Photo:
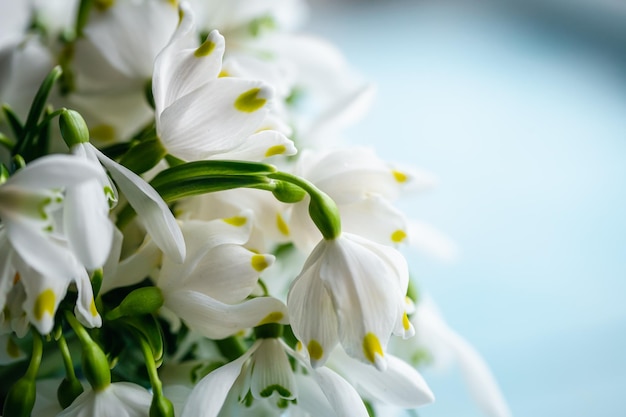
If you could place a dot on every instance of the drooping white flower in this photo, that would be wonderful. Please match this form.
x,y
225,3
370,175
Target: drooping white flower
x,y
119,399
264,372
200,115
351,290
37,255
113,63
362,185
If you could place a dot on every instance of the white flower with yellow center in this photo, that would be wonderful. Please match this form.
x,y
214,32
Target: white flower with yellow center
x,y
200,115
350,291
362,185
37,254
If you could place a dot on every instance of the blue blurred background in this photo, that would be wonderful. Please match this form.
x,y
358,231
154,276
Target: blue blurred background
x,y
520,110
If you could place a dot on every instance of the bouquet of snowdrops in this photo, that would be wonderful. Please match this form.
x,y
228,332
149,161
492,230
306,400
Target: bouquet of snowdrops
x,y
182,231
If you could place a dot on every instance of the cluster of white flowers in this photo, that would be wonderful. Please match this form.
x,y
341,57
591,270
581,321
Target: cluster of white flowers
x,y
178,211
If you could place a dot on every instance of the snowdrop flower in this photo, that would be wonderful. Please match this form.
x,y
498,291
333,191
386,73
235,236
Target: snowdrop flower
x,y
363,187
351,290
119,399
37,256
264,373
113,64
200,115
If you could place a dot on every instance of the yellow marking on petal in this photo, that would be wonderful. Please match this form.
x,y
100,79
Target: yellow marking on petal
x,y
316,351
16,278
400,176
405,321
398,236
299,346
223,73
173,2
275,150
44,304
93,309
13,349
372,347
282,225
274,317
259,262
104,133
205,49
249,102
103,5
236,221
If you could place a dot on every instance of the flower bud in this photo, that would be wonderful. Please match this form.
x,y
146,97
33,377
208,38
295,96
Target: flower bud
x,y
73,128
140,301
20,400
325,215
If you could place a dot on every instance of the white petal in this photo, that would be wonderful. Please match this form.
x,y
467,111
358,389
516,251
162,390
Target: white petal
x,y
156,215
85,308
217,320
342,396
134,268
9,351
86,223
374,218
311,311
272,372
399,385
261,145
130,35
426,238
210,392
206,121
52,171
228,273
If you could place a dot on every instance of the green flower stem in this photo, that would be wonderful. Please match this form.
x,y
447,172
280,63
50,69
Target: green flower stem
x,y
322,209
35,357
95,365
161,406
67,358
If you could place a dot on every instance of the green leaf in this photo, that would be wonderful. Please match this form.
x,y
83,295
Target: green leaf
x,y
206,169
14,121
143,156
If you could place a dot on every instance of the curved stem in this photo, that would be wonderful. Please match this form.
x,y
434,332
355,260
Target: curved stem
x,y
35,358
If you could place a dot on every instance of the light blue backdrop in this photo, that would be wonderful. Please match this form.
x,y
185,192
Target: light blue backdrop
x,y
524,123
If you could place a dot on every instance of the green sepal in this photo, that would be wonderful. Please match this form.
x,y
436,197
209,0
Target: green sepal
x,y
20,400
145,300
14,121
210,169
143,155
148,328
68,391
